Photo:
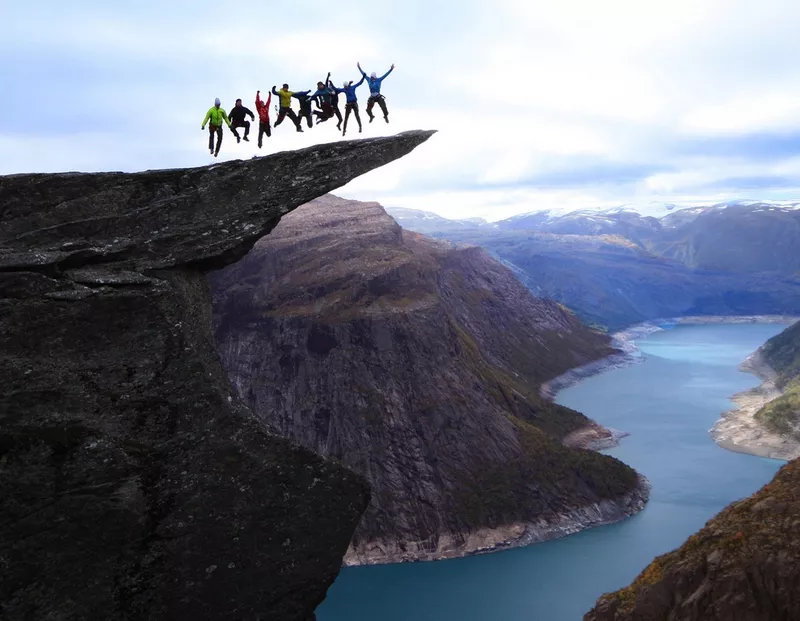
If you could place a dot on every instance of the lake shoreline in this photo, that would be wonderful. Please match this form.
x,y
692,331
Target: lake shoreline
x,y
518,534
739,431
627,355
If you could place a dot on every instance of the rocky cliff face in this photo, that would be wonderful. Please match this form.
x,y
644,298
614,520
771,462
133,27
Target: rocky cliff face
x,y
743,566
135,484
418,364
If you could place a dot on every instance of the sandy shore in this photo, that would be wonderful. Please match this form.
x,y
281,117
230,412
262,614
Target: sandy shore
x,y
739,431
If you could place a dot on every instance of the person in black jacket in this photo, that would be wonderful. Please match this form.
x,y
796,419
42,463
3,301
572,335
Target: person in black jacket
x,y
237,120
305,100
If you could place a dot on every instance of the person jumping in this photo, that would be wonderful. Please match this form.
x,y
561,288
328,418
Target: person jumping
x,y
237,116
352,102
324,97
305,106
215,117
375,96
285,96
263,117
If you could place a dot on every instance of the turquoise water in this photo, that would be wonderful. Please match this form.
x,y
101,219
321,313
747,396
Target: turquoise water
x,y
667,404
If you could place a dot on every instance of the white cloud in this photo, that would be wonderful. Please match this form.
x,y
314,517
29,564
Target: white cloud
x,y
519,91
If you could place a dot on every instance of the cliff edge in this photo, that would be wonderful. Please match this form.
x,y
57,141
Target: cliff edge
x,y
135,484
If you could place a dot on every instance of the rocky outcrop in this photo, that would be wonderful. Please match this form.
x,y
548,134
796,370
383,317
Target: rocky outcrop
x,y
418,364
744,565
135,483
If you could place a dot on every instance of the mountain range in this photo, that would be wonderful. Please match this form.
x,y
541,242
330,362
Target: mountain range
x,y
616,267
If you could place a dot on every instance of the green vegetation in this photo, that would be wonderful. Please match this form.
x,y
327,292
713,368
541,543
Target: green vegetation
x,y
548,477
783,414
763,526
782,353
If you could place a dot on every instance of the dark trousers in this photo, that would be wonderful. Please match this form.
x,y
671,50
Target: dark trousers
x,y
348,108
381,101
263,128
245,124
212,130
305,113
283,113
324,113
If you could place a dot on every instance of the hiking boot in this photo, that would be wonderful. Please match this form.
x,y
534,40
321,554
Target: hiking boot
x,y
371,118
339,126
359,129
386,118
300,129
246,139
211,151
238,140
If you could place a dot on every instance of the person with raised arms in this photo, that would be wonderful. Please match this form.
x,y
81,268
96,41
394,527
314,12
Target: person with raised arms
x,y
375,97
263,117
285,109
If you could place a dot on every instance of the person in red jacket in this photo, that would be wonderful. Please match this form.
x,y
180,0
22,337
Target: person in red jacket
x,y
263,117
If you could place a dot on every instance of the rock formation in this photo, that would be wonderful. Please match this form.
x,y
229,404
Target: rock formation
x,y
744,565
134,483
418,364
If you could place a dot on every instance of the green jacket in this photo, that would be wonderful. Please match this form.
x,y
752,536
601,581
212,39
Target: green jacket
x,y
216,116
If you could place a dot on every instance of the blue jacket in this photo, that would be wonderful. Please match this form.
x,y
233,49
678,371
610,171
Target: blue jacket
x,y
375,83
350,91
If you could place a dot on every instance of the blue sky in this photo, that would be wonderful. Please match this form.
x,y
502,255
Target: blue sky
x,y
539,104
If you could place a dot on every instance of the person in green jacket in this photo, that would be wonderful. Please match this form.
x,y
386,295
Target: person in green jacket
x,y
215,117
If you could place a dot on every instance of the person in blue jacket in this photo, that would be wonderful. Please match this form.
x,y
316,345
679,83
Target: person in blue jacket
x,y
327,101
352,102
375,96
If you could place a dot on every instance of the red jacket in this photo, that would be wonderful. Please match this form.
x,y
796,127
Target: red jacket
x,y
263,108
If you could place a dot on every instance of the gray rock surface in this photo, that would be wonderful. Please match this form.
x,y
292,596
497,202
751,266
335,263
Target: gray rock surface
x,y
134,483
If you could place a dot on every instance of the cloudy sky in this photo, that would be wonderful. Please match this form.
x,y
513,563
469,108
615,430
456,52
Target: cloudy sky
x,y
539,104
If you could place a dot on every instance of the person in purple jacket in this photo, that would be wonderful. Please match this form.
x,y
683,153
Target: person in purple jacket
x,y
375,96
352,102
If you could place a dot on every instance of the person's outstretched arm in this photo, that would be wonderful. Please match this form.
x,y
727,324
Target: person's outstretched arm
x,y
274,92
360,69
250,112
205,120
269,100
225,116
361,81
387,73
259,103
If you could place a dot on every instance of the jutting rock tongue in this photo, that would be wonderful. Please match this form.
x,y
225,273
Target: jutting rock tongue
x,y
135,484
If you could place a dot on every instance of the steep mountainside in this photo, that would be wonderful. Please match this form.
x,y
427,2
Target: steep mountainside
x,y
135,484
744,565
615,281
418,365
782,353
739,238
